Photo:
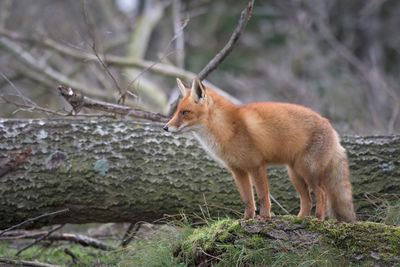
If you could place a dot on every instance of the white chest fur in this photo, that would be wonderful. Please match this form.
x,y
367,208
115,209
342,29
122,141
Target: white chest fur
x,y
209,144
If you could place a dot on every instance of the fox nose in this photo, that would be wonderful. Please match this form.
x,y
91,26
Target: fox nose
x,y
165,128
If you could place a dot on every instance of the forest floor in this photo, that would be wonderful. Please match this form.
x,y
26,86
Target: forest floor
x,y
281,241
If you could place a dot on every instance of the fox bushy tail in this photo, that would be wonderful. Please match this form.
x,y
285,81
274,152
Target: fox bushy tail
x,y
339,190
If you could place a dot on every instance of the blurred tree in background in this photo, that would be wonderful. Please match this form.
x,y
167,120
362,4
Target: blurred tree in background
x,y
340,58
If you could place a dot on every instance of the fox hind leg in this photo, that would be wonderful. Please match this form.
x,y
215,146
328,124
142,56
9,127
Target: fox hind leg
x,y
320,195
303,191
314,176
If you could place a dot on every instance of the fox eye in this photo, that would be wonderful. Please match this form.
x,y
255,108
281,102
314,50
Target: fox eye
x,y
185,112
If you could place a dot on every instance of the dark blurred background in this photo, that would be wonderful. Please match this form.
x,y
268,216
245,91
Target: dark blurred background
x,y
338,57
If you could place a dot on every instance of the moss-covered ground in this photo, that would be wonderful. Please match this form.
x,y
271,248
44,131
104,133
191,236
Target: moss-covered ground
x,y
292,241
281,241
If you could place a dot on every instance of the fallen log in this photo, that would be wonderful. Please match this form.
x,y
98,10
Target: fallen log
x,y
129,171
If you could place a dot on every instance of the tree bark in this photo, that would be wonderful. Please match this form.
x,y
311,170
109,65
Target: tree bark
x,y
128,171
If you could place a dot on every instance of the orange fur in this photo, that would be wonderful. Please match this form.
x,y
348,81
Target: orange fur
x,y
246,138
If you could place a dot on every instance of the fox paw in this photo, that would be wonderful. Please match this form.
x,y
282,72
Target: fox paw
x,y
245,218
259,218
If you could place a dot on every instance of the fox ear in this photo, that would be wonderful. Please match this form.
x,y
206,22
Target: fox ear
x,y
181,86
198,92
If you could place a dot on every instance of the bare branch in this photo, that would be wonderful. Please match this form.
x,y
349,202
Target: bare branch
x,y
77,100
49,72
225,51
164,55
111,60
72,255
28,104
30,108
371,76
92,31
27,263
130,233
279,204
34,219
152,93
40,239
83,240
25,99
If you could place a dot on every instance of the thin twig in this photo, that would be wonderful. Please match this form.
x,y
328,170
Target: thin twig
x,y
123,96
72,255
93,35
375,82
24,98
27,263
212,257
111,60
39,239
130,233
34,219
227,209
164,55
204,218
44,69
83,240
127,233
30,108
206,205
279,204
225,51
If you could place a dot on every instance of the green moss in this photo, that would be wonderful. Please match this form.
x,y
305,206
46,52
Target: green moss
x,y
295,219
250,222
256,242
224,237
252,242
208,240
361,237
235,227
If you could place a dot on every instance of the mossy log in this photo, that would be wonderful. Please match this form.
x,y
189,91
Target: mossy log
x,y
264,243
127,171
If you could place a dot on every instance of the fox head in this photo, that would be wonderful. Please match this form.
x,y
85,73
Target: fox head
x,y
192,108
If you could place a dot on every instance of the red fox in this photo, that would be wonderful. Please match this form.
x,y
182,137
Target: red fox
x,y
247,138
